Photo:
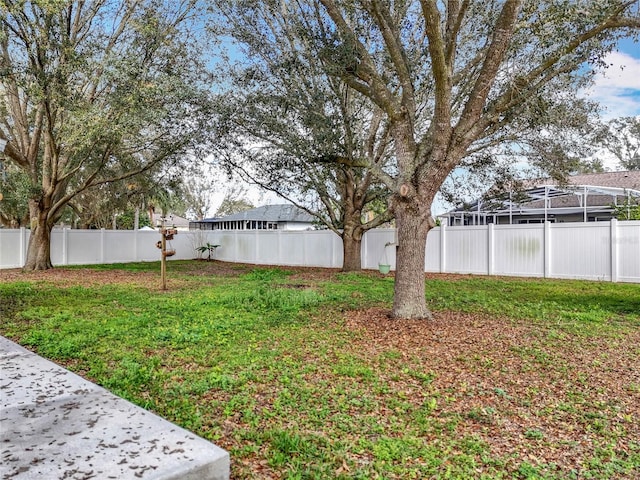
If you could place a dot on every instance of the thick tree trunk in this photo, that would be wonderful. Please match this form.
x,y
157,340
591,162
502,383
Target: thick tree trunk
x,y
351,248
39,250
413,224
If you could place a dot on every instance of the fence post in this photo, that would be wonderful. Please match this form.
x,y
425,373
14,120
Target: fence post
x,y
443,248
23,240
235,246
304,251
491,246
613,238
65,246
364,250
256,249
102,245
135,245
333,251
547,249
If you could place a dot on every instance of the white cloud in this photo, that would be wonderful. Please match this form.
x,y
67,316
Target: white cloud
x,y
617,88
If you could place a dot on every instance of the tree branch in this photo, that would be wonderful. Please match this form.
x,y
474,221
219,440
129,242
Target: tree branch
x,y
371,84
495,54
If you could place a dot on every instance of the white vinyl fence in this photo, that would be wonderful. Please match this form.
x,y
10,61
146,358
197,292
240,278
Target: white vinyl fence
x,y
607,251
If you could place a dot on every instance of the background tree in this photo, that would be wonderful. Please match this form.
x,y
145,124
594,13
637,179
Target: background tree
x,y
234,201
127,220
290,127
15,189
450,78
197,190
628,210
102,205
94,92
96,207
621,137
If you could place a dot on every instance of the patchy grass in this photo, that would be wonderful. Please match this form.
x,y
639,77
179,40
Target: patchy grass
x,y
300,374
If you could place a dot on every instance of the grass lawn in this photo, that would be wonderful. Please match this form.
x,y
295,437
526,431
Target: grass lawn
x,y
300,374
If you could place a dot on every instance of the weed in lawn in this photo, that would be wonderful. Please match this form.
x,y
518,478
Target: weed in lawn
x,y
392,449
351,367
132,376
284,300
391,355
484,415
500,392
534,434
609,462
527,471
51,345
355,290
423,417
424,378
267,274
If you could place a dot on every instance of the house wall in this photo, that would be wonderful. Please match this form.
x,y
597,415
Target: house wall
x,y
295,226
233,225
608,251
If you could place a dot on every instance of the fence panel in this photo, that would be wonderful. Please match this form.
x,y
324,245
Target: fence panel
x,y
467,250
432,261
83,247
145,246
227,249
628,251
320,248
12,247
581,250
376,250
268,249
292,248
119,246
519,250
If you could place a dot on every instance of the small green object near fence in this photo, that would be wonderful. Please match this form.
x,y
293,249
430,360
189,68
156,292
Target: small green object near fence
x,y
208,248
383,265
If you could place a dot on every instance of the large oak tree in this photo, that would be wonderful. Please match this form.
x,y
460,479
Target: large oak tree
x,y
288,125
93,92
451,78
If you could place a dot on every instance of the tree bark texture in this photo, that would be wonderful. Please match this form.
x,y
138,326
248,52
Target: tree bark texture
x,y
351,249
39,249
413,225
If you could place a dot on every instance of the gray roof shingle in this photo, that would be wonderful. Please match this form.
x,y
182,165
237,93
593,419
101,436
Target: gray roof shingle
x,y
269,213
625,179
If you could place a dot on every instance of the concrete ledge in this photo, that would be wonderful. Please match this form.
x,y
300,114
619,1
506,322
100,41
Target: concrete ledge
x,y
57,425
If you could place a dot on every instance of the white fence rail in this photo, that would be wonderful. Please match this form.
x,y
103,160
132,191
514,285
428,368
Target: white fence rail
x,y
608,251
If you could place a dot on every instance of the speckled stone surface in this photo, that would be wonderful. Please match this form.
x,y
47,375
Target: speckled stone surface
x,y
57,425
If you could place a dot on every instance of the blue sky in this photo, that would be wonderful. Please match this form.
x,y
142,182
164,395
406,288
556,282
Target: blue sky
x,y
617,88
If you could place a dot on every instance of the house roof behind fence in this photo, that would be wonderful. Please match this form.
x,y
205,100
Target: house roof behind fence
x,y
170,219
603,188
624,179
269,213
